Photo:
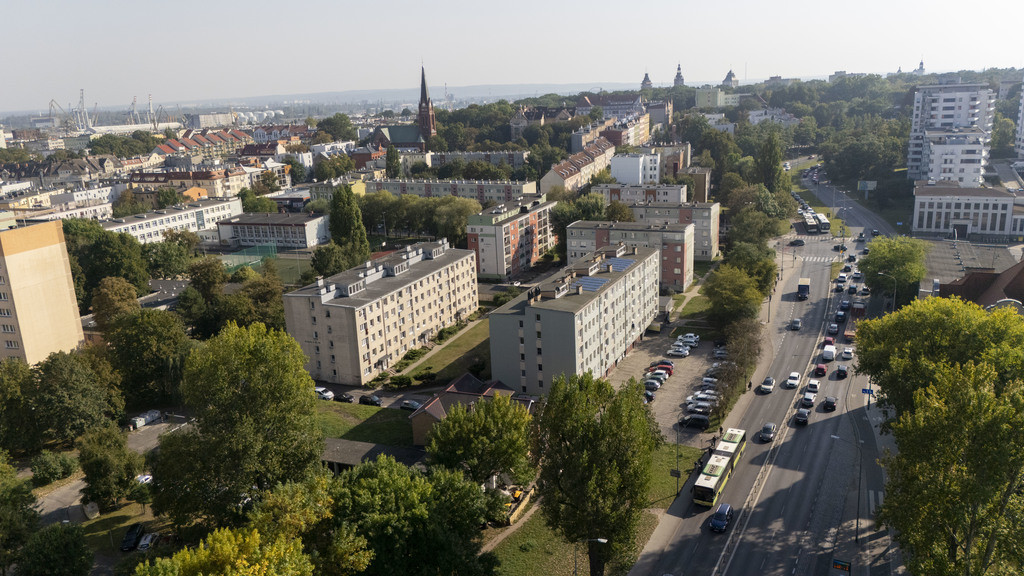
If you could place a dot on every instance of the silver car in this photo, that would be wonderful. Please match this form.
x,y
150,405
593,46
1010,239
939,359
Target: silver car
x,y
768,431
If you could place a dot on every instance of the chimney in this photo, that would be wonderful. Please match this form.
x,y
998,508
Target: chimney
x,y
579,289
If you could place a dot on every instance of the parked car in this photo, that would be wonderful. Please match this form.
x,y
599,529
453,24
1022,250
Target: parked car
x,y
370,400
830,403
678,352
652,385
691,336
147,541
323,393
699,408
767,385
695,421
721,518
803,416
721,354
648,396
411,405
132,537
663,368
768,431
796,242
689,343
344,397
663,361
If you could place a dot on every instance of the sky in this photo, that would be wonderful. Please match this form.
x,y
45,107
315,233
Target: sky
x,y
191,50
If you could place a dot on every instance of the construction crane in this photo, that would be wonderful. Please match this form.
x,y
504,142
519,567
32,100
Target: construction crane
x,y
64,120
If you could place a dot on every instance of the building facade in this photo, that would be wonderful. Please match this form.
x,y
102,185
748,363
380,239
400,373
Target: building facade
x,y
634,194
1019,145
511,158
636,169
631,131
354,325
674,241
946,107
958,155
715,97
200,217
575,172
510,238
287,230
38,307
946,209
218,183
483,191
705,217
585,319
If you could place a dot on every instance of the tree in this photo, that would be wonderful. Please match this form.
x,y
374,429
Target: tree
x,y
168,197
259,300
757,260
960,457
255,426
127,205
451,217
901,258
346,224
752,226
318,206
208,276
112,254
1003,131
241,552
254,204
490,439
328,259
166,259
333,167
769,162
393,166
733,294
18,516
184,238
415,524
618,212
110,467
297,170
56,550
338,126
595,447
149,349
268,182
70,398
112,298
900,351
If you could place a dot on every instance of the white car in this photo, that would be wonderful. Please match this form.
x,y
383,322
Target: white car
x,y
794,380
768,384
690,336
841,279
147,541
813,385
678,352
323,393
847,353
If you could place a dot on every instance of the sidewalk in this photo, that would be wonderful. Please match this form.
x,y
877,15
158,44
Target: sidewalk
x,y
411,368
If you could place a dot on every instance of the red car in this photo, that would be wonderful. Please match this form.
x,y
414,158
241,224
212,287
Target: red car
x,y
664,367
830,341
820,370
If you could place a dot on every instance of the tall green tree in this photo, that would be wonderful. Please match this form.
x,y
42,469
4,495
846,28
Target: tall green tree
x,y
757,260
901,259
733,294
207,276
393,165
338,126
18,517
110,467
70,397
255,204
235,552
149,349
298,171
954,495
346,224
56,550
769,163
112,298
595,447
451,217
19,429
328,259
168,197
255,426
490,439
166,259
618,212
752,226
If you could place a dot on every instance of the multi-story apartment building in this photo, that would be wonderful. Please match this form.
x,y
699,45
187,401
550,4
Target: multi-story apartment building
x,y
575,172
1020,127
958,155
585,319
705,217
945,107
629,131
512,158
480,190
586,135
620,107
636,169
200,217
715,97
38,308
511,237
631,194
287,230
218,183
949,210
674,240
355,324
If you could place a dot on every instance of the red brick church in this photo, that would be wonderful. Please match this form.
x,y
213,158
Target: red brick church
x,y
410,135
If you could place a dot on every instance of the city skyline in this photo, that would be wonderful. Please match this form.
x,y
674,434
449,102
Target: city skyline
x,y
213,51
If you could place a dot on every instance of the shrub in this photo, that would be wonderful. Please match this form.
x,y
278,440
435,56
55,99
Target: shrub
x,y
400,381
425,376
48,467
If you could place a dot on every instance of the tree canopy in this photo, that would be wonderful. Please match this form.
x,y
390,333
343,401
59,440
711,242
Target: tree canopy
x,y
733,294
56,550
110,467
234,552
18,517
901,258
347,229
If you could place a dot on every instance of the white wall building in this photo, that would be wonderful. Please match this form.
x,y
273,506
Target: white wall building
x,y
200,217
480,190
774,115
636,169
635,194
949,210
958,155
945,107
585,319
288,230
1020,127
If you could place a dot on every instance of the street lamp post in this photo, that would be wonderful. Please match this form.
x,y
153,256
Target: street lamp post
x,y
575,548
860,475
893,288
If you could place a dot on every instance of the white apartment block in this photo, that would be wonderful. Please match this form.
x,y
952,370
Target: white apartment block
x,y
200,217
480,190
949,210
636,169
510,238
630,194
675,241
1019,145
511,158
287,230
958,155
355,324
585,319
945,107
705,217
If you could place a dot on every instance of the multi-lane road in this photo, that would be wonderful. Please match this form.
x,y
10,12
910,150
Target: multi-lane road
x,y
798,498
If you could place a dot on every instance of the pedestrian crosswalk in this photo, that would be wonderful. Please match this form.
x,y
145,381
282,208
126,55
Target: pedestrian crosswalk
x,y
820,259
875,499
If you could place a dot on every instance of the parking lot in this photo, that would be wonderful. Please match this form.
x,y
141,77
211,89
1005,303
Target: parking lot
x,y
670,400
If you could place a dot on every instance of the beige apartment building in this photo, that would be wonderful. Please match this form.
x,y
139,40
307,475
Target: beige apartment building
x,y
38,309
357,323
585,319
674,240
705,217
483,191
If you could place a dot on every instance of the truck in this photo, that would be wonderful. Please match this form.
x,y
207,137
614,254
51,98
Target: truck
x,y
803,289
857,311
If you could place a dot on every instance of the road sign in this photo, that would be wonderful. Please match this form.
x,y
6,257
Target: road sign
x,y
868,391
675,473
841,565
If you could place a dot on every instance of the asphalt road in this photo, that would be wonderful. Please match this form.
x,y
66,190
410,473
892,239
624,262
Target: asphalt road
x,y
792,495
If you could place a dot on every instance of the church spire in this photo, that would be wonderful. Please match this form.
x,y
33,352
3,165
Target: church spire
x,y
424,93
678,80
425,118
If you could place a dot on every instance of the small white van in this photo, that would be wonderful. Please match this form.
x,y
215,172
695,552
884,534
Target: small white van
x,y
829,353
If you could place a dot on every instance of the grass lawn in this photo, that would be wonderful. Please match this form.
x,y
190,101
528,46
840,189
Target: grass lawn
x,y
365,423
701,267
663,485
104,533
696,307
290,269
458,354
